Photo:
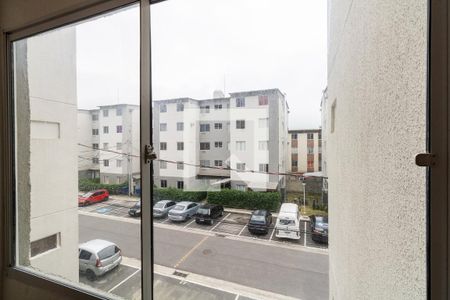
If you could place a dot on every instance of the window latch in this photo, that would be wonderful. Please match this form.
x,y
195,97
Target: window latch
x,y
149,154
426,160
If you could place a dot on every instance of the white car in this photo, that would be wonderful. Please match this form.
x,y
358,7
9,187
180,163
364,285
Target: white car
x,y
97,257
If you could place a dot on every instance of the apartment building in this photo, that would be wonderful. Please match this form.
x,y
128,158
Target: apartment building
x,y
108,140
305,150
234,134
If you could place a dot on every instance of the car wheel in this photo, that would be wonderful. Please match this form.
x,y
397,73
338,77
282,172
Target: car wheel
x,y
90,275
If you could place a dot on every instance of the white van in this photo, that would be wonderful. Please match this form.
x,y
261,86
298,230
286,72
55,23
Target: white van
x,y
288,222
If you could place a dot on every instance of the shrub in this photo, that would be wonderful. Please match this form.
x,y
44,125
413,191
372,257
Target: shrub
x,y
245,200
177,195
86,185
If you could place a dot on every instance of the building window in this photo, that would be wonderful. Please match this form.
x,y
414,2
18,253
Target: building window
x,y
180,126
204,146
240,124
263,123
106,163
95,160
204,163
241,187
105,146
119,163
163,183
180,185
264,167
218,163
240,102
118,111
180,146
240,145
204,109
294,136
45,244
263,100
295,163
105,129
218,144
163,127
180,107
163,164
119,146
119,128
204,127
163,108
163,146
180,165
95,117
217,106
95,146
310,136
94,131
310,150
319,135
105,113
240,166
217,125
310,165
263,145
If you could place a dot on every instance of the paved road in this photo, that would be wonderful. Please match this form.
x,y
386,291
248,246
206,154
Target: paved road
x,y
296,273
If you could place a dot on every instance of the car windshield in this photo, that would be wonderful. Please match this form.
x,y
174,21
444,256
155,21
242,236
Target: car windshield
x,y
87,195
138,205
159,205
287,222
203,211
257,218
179,207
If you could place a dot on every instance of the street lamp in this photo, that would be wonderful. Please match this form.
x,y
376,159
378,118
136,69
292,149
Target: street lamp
x,y
304,196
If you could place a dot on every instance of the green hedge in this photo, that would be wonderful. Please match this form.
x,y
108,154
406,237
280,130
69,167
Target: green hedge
x,y
86,185
177,195
245,200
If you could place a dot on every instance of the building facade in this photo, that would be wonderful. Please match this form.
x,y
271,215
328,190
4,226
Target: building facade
x,y
305,150
244,132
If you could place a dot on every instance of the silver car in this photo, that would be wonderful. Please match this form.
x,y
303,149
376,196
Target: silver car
x,y
162,208
183,211
97,257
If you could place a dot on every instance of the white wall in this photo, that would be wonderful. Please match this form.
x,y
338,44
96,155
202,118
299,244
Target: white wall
x,y
377,82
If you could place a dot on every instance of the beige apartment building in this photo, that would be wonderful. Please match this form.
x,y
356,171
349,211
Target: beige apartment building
x,y
304,150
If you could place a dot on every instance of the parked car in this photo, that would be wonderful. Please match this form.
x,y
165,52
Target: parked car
x,y
97,257
207,213
288,222
260,221
319,228
183,211
162,208
93,197
135,210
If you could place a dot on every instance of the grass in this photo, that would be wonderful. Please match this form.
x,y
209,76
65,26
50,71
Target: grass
x,y
308,211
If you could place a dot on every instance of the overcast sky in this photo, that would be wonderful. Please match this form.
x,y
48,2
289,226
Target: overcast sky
x,y
199,46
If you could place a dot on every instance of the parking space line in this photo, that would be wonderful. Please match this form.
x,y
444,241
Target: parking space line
x,y
220,222
166,220
123,281
242,230
271,236
190,252
237,297
304,235
189,223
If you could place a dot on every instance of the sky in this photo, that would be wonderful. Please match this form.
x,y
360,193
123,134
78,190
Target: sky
x,y
199,46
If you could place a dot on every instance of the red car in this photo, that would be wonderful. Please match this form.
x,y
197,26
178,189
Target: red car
x,y
92,197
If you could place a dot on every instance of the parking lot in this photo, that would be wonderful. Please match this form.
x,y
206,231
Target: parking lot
x,y
232,223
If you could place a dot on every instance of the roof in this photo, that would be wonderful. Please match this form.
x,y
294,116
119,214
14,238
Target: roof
x,y
184,203
95,246
164,201
288,207
208,205
304,130
256,92
259,212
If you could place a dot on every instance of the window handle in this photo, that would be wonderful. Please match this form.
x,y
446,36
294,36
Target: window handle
x,y
149,154
426,160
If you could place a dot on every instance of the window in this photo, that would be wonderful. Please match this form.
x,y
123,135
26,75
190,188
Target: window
x,y
94,131
264,167
118,163
263,122
106,163
204,127
217,125
85,255
204,109
217,106
180,107
180,146
241,187
218,163
105,129
119,146
295,163
163,165
95,146
263,100
94,117
95,160
294,136
319,135
163,127
263,145
310,150
105,113
240,124
240,146
310,166
163,108
119,128
180,126
310,136
163,183
105,146
204,146
180,185
118,111
163,146
43,245
180,165
240,102
240,166
204,163
218,144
